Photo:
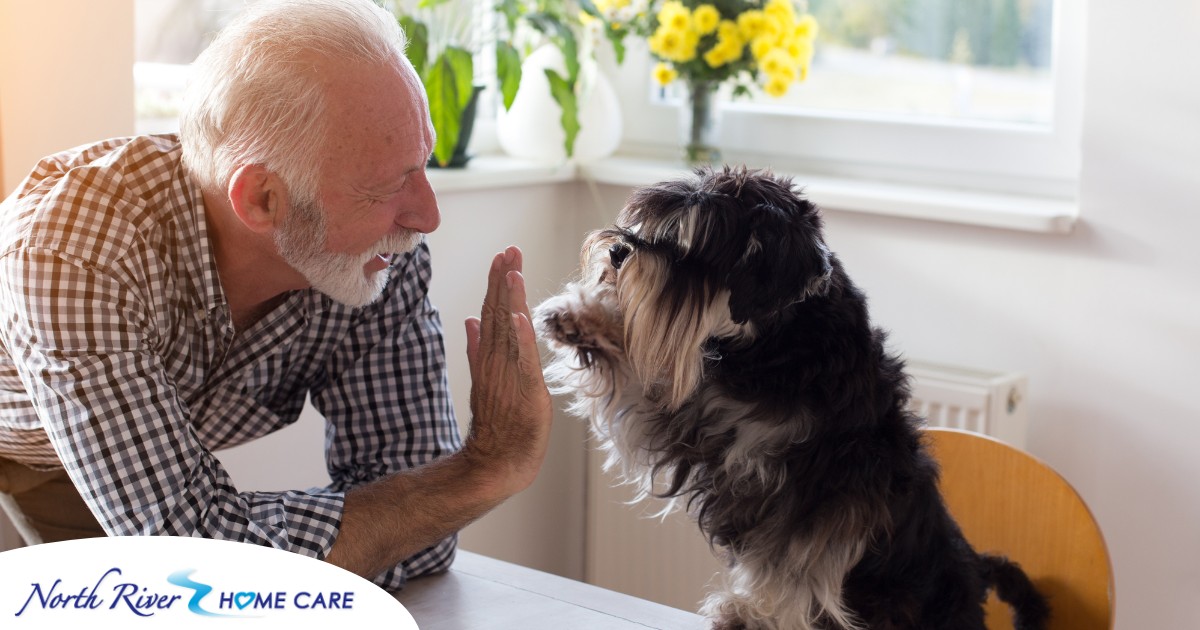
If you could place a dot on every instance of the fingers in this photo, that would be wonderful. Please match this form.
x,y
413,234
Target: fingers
x,y
496,327
530,362
495,330
517,297
495,313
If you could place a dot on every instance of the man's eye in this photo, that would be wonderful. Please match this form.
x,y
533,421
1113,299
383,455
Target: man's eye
x,y
617,254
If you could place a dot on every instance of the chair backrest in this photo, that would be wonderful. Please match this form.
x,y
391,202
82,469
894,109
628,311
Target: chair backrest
x,y
1009,503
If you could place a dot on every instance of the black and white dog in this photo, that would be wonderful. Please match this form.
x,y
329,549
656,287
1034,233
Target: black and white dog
x,y
727,362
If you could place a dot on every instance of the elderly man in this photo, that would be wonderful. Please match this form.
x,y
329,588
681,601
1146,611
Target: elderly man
x,y
165,297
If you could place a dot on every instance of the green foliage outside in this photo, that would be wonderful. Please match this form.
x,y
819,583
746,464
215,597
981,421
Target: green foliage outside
x,y
998,33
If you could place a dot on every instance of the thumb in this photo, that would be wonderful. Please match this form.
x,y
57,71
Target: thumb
x,y
472,325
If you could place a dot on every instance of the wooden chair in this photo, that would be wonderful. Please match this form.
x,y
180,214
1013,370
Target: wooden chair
x,y
1008,502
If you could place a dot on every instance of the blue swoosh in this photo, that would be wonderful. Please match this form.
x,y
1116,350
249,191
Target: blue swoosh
x,y
180,578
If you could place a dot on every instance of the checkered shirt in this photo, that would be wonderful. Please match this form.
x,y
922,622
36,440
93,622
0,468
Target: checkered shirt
x,y
119,361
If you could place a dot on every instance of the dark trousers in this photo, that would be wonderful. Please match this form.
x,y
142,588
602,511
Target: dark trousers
x,y
49,502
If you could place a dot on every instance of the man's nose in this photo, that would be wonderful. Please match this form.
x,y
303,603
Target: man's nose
x,y
421,213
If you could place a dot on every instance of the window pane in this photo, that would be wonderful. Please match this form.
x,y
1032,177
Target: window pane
x,y
942,60
169,35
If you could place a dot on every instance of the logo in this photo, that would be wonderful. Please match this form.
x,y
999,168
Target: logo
x,y
111,580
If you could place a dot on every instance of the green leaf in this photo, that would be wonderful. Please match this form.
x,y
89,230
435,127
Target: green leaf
x,y
570,51
512,10
508,72
562,36
463,71
441,87
418,43
589,8
563,92
429,4
617,37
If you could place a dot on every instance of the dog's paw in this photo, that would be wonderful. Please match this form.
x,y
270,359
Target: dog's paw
x,y
563,327
729,624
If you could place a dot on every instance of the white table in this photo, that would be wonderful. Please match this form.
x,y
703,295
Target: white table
x,y
487,594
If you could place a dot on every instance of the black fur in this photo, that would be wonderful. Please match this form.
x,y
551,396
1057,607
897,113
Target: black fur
x,y
855,470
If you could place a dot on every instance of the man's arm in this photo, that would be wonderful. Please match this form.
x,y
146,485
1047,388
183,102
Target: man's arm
x,y
89,353
390,519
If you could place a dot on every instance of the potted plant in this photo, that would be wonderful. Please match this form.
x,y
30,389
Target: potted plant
x,y
441,47
764,45
558,23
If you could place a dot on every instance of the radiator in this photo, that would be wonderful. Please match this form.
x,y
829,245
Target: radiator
x,y
669,562
987,402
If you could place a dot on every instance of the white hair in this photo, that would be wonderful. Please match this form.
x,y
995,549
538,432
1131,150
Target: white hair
x,y
256,97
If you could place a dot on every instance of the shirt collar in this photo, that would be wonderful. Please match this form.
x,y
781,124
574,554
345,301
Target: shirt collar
x,y
197,250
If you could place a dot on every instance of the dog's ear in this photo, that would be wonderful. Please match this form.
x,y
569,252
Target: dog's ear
x,y
785,261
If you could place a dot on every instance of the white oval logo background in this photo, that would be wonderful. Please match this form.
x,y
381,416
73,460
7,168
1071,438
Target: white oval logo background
x,y
173,582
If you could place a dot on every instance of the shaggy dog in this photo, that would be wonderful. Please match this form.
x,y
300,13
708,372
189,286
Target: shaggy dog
x,y
727,362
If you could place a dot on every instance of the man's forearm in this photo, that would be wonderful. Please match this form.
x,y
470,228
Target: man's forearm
x,y
393,518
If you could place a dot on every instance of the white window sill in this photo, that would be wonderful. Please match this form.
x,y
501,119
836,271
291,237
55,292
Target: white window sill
x,y
996,210
499,171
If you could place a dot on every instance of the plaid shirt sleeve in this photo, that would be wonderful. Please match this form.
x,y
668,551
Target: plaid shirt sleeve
x,y
82,339
387,401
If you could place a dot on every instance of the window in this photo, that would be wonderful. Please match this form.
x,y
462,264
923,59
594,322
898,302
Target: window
x,y
976,94
981,94
933,60
170,34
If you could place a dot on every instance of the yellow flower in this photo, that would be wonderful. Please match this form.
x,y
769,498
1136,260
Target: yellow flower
x,y
773,27
761,46
724,52
669,41
728,30
807,28
776,62
751,24
675,16
705,18
715,57
655,43
787,74
664,73
781,10
691,39
801,50
776,87
674,44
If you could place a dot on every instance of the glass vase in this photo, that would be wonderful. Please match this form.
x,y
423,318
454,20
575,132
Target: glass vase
x,y
700,123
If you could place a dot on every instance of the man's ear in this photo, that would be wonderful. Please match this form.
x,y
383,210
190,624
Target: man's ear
x,y
258,197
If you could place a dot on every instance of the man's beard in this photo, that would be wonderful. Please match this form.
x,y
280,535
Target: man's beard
x,y
301,243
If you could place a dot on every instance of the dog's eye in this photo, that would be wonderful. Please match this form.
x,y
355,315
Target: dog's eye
x,y
617,254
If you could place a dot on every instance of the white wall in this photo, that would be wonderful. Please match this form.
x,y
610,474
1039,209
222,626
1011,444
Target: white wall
x,y
66,78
